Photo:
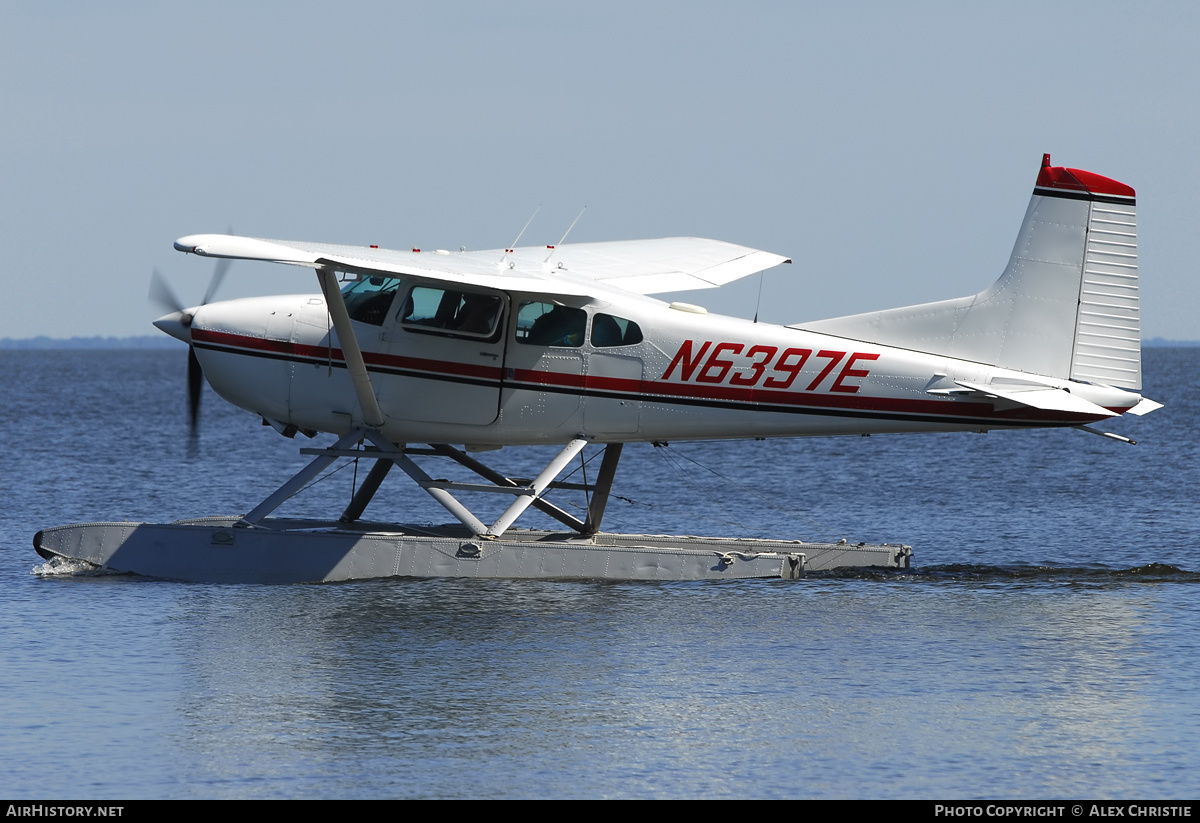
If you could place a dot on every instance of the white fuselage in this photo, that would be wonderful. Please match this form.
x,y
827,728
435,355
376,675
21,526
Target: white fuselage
x,y
687,375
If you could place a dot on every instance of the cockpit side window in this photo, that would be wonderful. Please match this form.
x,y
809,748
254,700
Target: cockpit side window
x,y
549,324
608,331
450,312
369,298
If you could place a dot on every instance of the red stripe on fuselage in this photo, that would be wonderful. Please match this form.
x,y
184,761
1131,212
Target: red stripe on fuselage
x,y
324,353
647,390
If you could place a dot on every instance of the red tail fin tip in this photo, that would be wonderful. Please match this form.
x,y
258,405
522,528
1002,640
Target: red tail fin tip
x,y
1059,177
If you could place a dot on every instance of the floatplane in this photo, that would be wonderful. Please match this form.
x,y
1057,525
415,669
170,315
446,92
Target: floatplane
x,y
411,356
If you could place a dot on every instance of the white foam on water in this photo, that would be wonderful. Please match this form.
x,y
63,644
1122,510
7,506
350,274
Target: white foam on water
x,y
67,567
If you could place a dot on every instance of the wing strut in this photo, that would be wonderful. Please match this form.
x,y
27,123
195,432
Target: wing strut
x,y
372,414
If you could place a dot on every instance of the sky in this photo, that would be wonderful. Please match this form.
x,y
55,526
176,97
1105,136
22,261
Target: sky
x,y
888,148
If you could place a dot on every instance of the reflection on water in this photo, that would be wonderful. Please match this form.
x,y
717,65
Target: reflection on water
x,y
1043,645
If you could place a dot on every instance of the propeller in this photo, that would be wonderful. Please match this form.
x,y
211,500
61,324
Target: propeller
x,y
162,294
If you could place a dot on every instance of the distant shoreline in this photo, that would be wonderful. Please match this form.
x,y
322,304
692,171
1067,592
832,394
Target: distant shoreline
x,y
162,341
1160,343
147,341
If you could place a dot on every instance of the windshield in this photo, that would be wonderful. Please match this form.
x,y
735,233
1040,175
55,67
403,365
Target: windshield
x,y
369,298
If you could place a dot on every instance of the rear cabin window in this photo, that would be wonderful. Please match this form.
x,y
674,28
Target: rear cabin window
x,y
608,330
369,298
549,324
451,312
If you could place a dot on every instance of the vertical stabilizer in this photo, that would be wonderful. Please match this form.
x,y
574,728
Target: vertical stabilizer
x,y
1066,305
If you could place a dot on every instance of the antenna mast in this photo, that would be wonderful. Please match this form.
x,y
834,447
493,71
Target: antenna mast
x,y
565,233
509,250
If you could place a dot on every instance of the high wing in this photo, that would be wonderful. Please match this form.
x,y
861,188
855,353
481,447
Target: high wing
x,y
668,264
638,266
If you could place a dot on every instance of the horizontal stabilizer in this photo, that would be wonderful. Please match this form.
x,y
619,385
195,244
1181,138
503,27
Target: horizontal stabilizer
x,y
1144,406
1037,397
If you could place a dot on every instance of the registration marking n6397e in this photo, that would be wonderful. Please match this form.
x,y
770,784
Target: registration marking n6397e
x,y
716,364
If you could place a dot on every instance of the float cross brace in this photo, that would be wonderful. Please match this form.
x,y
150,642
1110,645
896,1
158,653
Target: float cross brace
x,y
526,493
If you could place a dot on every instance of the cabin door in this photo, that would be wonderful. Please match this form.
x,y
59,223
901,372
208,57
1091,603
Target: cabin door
x,y
444,355
613,402
543,383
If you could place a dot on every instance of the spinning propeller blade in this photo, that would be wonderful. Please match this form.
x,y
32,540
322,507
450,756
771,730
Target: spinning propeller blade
x,y
195,383
162,294
215,282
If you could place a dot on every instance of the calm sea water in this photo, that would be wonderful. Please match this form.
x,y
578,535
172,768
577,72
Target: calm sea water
x,y
1045,644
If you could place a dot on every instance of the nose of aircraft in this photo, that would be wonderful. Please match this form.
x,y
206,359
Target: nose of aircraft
x,y
177,324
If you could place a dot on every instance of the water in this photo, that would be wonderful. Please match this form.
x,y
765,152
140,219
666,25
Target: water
x,y
1044,645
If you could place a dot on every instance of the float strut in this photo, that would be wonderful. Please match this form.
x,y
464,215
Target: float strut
x,y
367,491
541,504
298,482
539,485
608,470
449,503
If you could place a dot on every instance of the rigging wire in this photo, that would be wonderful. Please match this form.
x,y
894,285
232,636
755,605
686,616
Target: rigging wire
x,y
767,501
671,459
323,477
